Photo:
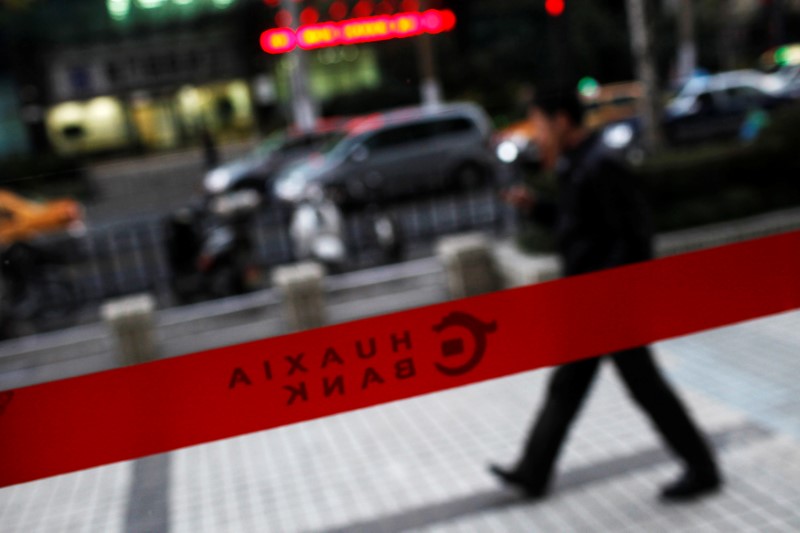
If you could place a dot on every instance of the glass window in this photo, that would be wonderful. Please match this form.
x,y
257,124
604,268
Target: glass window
x,y
455,125
400,135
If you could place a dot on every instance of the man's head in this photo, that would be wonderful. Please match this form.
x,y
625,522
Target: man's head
x,y
560,113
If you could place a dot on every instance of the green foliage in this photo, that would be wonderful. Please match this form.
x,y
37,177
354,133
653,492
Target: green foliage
x,y
720,182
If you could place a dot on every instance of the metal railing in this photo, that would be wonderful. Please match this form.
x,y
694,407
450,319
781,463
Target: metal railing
x,y
131,257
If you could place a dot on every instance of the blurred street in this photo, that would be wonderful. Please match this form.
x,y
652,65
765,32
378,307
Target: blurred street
x,y
420,464
178,176
133,187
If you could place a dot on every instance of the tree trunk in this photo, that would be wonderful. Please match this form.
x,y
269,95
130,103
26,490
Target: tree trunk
x,y
687,49
642,50
430,89
728,48
303,109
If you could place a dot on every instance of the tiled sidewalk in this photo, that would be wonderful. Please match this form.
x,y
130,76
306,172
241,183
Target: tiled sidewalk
x,y
419,465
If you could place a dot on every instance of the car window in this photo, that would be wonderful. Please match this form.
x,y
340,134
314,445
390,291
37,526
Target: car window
x,y
706,102
322,140
339,144
455,125
387,138
744,96
270,144
297,143
423,131
401,135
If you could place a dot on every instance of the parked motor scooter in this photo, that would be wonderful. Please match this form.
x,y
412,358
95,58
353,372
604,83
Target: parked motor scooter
x,y
182,243
316,229
387,232
210,248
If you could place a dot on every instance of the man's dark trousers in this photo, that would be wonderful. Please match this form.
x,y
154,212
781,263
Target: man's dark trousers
x,y
567,389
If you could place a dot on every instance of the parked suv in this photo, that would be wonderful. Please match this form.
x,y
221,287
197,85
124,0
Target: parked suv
x,y
397,153
255,170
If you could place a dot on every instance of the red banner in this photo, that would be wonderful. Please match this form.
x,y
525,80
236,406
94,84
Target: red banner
x,y
131,412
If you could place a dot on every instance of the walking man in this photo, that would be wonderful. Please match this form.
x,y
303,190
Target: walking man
x,y
601,221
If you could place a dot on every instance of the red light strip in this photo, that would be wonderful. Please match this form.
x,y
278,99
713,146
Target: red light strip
x,y
357,31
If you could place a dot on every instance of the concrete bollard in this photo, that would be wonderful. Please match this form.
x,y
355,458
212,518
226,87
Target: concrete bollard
x,y
303,298
131,322
469,265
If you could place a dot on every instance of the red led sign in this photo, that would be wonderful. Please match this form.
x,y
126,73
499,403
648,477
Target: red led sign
x,y
357,30
554,8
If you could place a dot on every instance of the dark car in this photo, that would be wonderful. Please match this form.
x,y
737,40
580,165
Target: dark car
x,y
710,108
716,106
255,170
789,77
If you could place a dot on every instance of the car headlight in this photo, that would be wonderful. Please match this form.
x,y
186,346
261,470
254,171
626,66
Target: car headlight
x,y
618,136
217,180
290,189
507,151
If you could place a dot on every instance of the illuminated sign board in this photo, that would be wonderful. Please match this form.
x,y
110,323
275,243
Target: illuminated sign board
x,y
357,30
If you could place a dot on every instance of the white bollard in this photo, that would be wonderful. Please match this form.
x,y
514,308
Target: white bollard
x,y
131,322
469,264
303,298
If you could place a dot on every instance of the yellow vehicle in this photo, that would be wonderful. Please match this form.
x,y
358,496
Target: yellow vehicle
x,y
22,219
612,102
607,103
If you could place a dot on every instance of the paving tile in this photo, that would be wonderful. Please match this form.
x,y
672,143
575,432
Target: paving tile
x,y
91,500
420,464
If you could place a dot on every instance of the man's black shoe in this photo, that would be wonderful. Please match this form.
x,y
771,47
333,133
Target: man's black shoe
x,y
691,485
514,479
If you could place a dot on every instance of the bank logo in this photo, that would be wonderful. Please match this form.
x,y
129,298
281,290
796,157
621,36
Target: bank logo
x,y
368,363
453,347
